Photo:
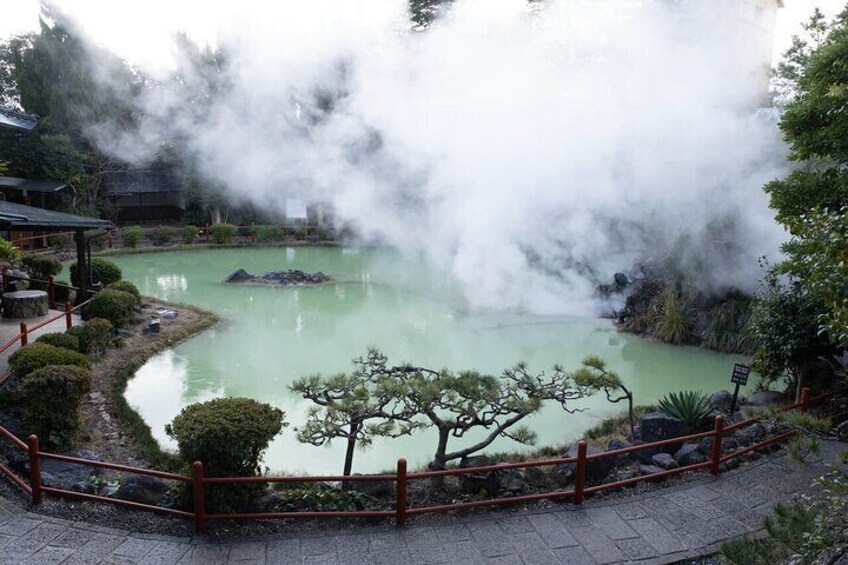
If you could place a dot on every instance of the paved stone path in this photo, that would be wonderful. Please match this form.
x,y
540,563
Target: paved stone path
x,y
661,527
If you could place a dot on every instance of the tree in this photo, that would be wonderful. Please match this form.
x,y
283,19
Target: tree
x,y
458,403
594,376
355,407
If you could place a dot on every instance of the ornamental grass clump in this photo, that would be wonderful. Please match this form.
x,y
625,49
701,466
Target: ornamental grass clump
x,y
229,435
52,396
39,355
690,406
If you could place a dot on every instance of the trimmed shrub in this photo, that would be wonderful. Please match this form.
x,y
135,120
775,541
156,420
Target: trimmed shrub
x,y
52,396
268,234
60,241
163,234
229,436
132,235
127,286
190,234
42,266
39,355
94,336
102,271
116,306
222,234
63,340
301,233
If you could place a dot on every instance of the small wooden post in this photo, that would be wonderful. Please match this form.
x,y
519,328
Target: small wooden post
x,y
51,291
34,469
400,516
716,447
68,320
199,499
805,399
580,473
24,336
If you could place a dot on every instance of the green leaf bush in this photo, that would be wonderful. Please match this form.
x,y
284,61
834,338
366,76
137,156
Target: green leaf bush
x,y
132,235
102,271
268,234
164,234
8,252
42,266
39,355
95,336
691,406
229,436
127,286
222,234
60,241
114,305
52,395
63,340
190,234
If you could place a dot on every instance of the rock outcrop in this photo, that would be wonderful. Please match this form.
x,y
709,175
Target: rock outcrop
x,y
292,277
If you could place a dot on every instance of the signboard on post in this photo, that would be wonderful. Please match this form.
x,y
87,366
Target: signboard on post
x,y
739,378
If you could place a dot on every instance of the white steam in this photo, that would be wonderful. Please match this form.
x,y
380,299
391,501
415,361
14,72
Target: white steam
x,y
532,149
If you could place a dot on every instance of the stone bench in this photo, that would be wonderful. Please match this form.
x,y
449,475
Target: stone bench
x,y
25,304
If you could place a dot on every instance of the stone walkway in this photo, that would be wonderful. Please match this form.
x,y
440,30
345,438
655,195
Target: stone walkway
x,y
660,527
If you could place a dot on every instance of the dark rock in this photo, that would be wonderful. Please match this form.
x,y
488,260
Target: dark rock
x,y
646,455
142,489
657,426
616,444
269,503
237,276
766,398
64,475
123,333
85,487
750,434
729,465
596,469
665,461
152,326
515,484
727,444
689,454
534,476
721,399
47,480
621,281
563,475
650,470
372,488
485,481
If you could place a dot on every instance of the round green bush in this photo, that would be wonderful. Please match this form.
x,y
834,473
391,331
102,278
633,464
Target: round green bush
x,y
38,355
132,235
114,305
52,397
60,241
222,234
95,336
42,266
64,340
163,234
267,234
229,436
127,286
102,271
190,234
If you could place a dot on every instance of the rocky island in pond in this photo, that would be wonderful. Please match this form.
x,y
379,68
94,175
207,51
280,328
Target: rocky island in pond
x,y
292,277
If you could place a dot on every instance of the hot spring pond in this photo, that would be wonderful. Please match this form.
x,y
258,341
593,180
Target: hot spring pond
x,y
270,336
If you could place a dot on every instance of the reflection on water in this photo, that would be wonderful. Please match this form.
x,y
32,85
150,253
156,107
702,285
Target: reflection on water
x,y
412,312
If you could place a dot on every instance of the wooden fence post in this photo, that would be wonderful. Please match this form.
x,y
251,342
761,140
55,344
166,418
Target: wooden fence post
x,y
34,469
199,499
716,447
51,291
24,335
580,473
805,399
400,516
68,320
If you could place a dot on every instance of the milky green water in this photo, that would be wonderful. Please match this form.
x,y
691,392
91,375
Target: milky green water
x,y
411,311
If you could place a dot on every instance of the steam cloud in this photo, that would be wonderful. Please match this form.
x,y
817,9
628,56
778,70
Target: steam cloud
x,y
533,150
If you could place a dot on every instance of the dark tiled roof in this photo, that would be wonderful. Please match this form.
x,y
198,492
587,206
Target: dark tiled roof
x,y
19,217
135,182
16,120
31,185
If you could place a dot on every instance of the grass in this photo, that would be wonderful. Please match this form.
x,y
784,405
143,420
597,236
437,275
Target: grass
x,y
670,319
730,330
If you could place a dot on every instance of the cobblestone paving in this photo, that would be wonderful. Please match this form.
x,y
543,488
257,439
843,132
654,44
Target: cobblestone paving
x,y
660,527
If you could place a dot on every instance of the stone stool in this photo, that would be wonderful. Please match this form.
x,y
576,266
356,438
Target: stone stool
x,y
25,304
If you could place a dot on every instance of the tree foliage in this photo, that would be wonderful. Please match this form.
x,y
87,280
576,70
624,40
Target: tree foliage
x,y
594,376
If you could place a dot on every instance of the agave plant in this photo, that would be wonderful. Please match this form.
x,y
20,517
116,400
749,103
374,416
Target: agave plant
x,y
691,406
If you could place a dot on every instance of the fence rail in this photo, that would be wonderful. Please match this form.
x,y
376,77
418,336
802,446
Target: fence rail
x,y
400,478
